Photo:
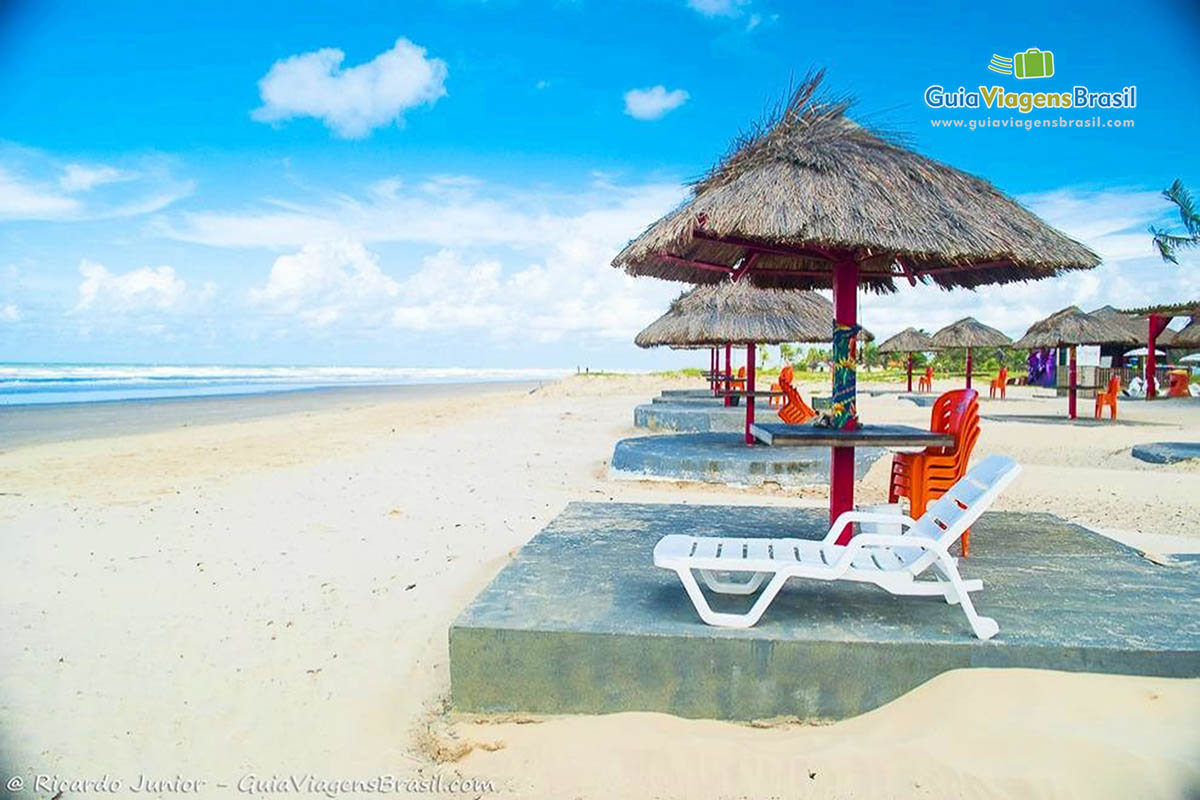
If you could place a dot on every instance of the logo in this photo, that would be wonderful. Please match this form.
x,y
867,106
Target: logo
x,y
1033,63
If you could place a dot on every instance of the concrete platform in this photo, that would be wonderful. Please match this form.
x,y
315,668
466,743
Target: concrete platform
x,y
725,458
925,400
702,417
697,417
708,400
582,622
1166,452
684,393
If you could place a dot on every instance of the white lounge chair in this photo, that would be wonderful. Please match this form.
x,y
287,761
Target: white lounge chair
x,y
890,561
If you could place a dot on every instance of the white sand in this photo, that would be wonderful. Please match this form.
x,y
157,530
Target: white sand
x,y
272,597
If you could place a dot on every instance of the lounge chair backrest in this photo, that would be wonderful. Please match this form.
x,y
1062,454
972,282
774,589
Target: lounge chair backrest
x,y
957,510
787,374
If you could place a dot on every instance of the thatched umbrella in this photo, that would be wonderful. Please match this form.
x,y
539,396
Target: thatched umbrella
x,y
909,340
969,332
1071,327
810,199
739,313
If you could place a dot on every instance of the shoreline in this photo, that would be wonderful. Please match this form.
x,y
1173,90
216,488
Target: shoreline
x,y
48,423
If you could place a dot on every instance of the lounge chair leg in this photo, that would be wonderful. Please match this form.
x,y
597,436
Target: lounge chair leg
x,y
984,627
733,587
730,620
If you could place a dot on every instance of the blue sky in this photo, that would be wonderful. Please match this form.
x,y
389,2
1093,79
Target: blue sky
x,y
446,183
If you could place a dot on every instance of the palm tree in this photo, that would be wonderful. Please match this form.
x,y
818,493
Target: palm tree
x,y
1167,243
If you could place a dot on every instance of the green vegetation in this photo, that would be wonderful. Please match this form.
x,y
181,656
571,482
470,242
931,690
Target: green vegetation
x,y
1168,243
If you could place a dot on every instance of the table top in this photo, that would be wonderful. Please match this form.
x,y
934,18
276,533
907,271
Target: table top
x,y
866,435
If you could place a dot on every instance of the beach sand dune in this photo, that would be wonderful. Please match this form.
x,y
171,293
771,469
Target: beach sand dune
x,y
272,597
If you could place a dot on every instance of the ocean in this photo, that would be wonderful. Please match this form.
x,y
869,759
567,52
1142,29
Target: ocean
x,y
42,384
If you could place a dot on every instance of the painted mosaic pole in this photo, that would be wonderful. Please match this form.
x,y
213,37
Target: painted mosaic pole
x,y
844,410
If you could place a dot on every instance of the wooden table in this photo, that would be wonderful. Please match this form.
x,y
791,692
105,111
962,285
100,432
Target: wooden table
x,y
841,485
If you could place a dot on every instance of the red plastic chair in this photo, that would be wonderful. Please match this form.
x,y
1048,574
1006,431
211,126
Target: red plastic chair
x,y
925,382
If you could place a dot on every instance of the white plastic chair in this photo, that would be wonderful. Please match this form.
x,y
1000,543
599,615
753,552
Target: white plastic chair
x,y
891,561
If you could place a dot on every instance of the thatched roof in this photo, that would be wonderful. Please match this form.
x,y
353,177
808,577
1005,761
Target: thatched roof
x,y
739,313
909,340
1071,326
809,183
969,332
1139,326
1189,337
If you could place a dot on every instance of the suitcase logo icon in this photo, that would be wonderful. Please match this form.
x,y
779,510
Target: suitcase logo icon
x,y
1033,63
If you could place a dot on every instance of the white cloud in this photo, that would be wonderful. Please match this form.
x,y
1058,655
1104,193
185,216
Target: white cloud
x,y
23,199
37,186
147,289
10,313
508,266
355,100
85,177
442,211
653,103
717,8
324,282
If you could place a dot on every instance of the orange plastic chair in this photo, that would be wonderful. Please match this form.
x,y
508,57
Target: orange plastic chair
x,y
1177,385
1109,397
999,384
924,477
795,411
925,382
785,374
739,383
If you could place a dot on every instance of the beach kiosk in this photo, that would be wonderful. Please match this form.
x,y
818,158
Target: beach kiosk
x,y
1070,328
810,199
968,333
908,341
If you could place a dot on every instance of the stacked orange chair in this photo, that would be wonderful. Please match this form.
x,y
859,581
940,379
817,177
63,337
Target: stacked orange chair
x,y
1109,398
925,382
785,374
999,384
795,411
924,477
739,383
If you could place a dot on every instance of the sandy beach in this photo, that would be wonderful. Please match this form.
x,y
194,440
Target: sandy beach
x,y
270,596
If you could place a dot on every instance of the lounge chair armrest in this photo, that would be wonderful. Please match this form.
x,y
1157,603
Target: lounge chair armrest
x,y
892,540
846,517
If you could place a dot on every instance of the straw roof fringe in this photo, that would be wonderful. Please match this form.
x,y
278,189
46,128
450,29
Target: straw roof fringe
x,y
969,332
909,340
739,313
808,178
1071,326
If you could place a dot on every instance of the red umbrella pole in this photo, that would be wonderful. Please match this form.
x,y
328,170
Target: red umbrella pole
x,y
728,374
1071,383
910,373
968,368
749,392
